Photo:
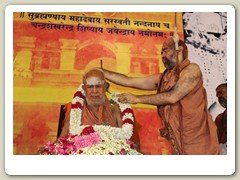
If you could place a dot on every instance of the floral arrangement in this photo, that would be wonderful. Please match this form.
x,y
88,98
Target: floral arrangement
x,y
97,139
90,142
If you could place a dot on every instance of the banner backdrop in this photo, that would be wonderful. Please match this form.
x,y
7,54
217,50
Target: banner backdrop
x,y
53,50
206,39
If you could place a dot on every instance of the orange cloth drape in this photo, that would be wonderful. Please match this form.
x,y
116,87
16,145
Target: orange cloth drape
x,y
189,119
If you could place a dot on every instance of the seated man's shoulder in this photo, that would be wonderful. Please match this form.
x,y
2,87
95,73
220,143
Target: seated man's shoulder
x,y
115,107
116,111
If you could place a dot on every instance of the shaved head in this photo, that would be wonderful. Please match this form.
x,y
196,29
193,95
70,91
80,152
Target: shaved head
x,y
94,77
224,85
169,43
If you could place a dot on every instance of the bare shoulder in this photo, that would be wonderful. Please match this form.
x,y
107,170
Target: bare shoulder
x,y
115,107
194,66
192,69
116,113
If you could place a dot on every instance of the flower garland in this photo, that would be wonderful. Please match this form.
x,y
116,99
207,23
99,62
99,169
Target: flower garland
x,y
120,133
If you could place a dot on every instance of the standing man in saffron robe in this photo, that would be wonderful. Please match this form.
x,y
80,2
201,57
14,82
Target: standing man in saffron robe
x,y
181,100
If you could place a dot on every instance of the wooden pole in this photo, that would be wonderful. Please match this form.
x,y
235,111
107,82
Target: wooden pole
x,y
101,66
175,31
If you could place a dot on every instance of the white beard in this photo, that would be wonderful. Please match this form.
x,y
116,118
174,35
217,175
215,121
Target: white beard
x,y
95,103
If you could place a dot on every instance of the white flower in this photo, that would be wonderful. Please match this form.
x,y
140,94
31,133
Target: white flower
x,y
127,116
77,99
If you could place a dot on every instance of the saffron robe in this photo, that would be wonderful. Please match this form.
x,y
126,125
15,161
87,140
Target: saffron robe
x,y
188,125
107,115
221,122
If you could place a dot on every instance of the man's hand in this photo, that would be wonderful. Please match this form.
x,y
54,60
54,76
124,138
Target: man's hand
x,y
128,98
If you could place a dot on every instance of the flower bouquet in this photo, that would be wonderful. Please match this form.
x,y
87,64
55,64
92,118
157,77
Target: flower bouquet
x,y
93,140
97,139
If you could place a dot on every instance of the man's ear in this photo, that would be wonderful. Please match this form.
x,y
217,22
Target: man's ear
x,y
84,87
180,48
180,51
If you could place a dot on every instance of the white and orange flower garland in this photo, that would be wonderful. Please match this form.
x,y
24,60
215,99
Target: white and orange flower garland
x,y
105,131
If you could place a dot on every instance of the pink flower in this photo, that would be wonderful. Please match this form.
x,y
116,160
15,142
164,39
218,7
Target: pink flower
x,y
123,152
60,151
86,140
131,144
87,130
95,138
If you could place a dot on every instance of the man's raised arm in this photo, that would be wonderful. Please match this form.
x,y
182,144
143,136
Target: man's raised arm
x,y
189,78
146,83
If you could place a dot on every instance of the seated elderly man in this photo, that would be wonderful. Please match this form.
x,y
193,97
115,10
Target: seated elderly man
x,y
97,109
